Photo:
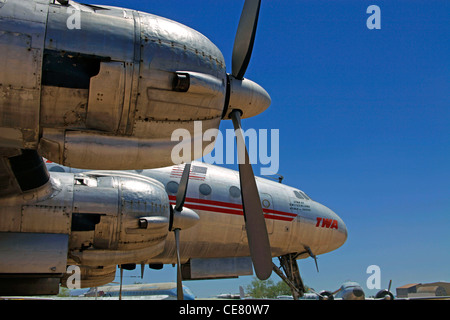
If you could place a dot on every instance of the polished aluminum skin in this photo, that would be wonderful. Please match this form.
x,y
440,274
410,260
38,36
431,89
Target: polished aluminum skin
x,y
112,88
116,218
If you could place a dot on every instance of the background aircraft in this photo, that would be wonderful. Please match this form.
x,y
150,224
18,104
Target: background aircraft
x,y
211,227
353,291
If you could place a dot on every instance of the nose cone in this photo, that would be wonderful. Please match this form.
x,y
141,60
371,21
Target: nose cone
x,y
184,219
353,293
247,96
358,293
342,231
327,220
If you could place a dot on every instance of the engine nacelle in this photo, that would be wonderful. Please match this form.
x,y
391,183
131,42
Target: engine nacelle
x,y
326,295
111,89
384,295
92,220
108,215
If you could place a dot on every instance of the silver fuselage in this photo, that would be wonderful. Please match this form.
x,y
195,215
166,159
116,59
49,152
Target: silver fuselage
x,y
293,220
86,85
92,219
292,223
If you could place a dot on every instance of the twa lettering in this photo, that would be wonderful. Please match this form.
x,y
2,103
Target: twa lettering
x,y
327,223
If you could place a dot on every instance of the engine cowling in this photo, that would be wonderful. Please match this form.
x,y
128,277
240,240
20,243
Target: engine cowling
x,y
326,295
384,295
93,87
109,212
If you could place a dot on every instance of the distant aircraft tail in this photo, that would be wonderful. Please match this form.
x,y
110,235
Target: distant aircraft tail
x,y
241,293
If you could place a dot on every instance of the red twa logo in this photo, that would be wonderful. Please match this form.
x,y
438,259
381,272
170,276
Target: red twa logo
x,y
327,223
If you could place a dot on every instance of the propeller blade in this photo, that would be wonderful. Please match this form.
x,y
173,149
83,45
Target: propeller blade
x,y
179,279
258,239
245,38
181,197
182,188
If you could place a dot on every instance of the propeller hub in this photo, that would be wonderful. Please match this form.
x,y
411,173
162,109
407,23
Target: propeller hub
x,y
247,96
184,219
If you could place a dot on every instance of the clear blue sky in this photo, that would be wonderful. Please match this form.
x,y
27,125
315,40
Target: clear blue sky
x,y
364,118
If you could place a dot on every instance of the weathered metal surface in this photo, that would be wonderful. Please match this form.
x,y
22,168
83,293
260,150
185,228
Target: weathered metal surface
x,y
103,79
22,33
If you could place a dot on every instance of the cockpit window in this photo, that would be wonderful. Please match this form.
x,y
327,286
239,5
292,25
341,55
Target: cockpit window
x,y
305,195
301,195
298,195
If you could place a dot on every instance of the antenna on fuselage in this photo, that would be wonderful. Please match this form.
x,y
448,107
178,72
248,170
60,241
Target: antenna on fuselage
x,y
279,178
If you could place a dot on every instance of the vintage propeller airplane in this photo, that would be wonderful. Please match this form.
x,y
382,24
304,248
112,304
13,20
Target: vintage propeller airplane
x,y
108,95
201,201
351,290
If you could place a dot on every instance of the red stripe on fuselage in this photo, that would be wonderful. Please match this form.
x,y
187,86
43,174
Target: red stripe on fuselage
x,y
231,208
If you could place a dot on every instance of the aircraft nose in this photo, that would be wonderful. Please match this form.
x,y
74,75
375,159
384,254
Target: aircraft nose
x,y
357,292
328,219
341,236
343,231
